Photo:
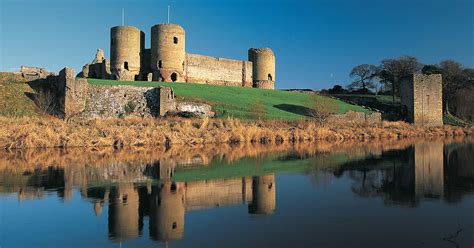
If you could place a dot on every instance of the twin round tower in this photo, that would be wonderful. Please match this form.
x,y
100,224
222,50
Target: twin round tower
x,y
168,61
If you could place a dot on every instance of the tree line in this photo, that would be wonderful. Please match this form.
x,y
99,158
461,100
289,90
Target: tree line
x,y
386,77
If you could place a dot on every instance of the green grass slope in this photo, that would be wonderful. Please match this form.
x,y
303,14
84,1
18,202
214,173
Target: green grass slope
x,y
247,103
14,100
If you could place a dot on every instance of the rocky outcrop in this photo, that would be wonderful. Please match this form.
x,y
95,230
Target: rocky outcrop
x,y
195,109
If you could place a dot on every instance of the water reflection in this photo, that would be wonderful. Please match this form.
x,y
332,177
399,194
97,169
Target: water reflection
x,y
430,170
167,202
153,190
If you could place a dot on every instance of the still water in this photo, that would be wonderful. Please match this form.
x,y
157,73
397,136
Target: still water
x,y
403,194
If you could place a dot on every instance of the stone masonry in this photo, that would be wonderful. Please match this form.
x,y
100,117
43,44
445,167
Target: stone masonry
x,y
421,99
70,92
168,61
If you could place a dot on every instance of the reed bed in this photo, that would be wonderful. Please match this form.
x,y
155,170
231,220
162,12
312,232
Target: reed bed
x,y
46,131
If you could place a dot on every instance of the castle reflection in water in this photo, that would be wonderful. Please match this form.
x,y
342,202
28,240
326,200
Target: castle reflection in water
x,y
166,203
136,191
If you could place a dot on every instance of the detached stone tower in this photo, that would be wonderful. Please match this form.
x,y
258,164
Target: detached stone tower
x,y
263,195
421,98
126,46
263,71
168,53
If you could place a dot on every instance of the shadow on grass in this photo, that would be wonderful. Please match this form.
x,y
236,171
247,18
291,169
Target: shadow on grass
x,y
295,109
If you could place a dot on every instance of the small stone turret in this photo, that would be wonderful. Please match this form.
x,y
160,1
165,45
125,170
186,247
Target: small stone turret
x,y
263,61
168,53
125,51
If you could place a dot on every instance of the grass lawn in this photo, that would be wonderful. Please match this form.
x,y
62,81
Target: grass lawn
x,y
247,103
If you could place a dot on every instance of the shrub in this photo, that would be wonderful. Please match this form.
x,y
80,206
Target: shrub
x,y
130,107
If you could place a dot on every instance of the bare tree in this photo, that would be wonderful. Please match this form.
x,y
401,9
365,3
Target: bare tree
x,y
393,70
454,77
363,74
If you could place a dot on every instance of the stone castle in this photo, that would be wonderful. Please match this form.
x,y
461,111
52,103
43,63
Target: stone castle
x,y
168,61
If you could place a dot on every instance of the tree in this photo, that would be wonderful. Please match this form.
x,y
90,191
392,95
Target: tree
x,y
337,89
431,69
364,74
392,71
454,77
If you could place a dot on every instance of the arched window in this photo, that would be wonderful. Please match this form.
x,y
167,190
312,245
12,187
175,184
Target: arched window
x,y
173,188
270,77
125,65
175,40
174,77
160,64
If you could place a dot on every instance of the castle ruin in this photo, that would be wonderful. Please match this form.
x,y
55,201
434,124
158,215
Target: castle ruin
x,y
168,61
421,99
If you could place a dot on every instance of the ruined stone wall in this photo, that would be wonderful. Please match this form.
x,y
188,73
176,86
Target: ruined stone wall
x,y
100,101
118,101
70,92
218,71
421,99
356,118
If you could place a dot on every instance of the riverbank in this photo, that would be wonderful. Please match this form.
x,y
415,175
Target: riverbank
x,y
46,131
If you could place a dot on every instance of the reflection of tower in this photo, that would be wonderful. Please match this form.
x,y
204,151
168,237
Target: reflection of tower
x,y
263,196
123,212
167,211
163,169
429,170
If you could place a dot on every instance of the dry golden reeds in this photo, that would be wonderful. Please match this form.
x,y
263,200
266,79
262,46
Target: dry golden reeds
x,y
46,131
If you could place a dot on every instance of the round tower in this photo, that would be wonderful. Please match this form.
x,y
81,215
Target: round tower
x,y
125,49
263,64
263,195
168,52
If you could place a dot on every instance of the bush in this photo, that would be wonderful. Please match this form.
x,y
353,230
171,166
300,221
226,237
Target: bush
x,y
130,107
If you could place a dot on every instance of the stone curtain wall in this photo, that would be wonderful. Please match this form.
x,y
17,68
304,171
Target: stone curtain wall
x,y
218,71
119,101
422,97
356,118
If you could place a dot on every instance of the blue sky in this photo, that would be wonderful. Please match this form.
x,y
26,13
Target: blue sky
x,y
316,43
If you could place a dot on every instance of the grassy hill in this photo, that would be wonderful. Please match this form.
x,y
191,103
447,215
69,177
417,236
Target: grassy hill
x,y
14,100
247,103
